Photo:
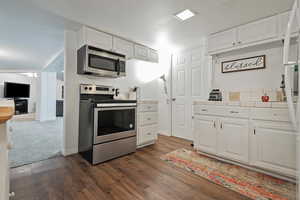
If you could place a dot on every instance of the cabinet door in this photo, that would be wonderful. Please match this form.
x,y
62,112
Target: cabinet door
x,y
205,134
123,47
275,150
98,39
222,40
258,31
233,139
147,134
153,56
283,22
140,52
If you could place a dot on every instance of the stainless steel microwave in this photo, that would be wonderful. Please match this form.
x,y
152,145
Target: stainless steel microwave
x,y
99,62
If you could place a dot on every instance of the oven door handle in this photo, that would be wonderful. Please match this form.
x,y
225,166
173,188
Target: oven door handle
x,y
115,108
112,105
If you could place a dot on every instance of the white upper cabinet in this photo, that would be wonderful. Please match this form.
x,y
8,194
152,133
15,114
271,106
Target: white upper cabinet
x,y
283,21
254,33
233,139
109,42
153,56
123,47
141,52
222,40
95,38
258,31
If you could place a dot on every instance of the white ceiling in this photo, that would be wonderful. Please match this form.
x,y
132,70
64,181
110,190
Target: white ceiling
x,y
30,37
33,29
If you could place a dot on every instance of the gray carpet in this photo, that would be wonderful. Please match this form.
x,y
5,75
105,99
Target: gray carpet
x,y
35,141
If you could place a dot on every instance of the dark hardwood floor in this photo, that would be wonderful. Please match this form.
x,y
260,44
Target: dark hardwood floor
x,y
141,175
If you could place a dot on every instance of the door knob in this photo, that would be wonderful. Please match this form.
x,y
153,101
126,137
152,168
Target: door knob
x,y
173,99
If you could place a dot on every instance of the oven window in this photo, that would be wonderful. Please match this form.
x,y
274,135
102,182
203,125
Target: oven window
x,y
102,63
115,121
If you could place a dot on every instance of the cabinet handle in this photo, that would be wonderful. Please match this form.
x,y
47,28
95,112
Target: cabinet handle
x,y
221,126
240,42
254,131
214,124
233,43
234,112
12,194
148,133
148,118
204,110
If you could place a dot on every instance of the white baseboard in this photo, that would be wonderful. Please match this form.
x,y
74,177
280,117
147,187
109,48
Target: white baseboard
x,y
69,151
164,133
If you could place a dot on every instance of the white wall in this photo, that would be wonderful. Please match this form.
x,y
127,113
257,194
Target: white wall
x,y
46,101
268,78
139,73
18,78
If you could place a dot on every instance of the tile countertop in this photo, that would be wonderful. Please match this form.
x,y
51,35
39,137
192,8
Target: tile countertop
x,y
147,101
244,104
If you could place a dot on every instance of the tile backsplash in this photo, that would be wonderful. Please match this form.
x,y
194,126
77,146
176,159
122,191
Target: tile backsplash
x,y
253,95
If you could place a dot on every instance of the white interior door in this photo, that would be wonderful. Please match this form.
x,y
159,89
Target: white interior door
x,y
180,96
190,82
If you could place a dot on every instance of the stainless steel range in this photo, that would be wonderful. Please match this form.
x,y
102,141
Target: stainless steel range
x,y
107,127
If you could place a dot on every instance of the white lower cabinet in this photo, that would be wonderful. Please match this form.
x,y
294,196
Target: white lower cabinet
x,y
147,123
147,134
274,149
205,134
233,139
261,138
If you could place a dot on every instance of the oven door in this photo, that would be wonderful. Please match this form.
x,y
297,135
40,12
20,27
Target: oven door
x,y
104,64
113,123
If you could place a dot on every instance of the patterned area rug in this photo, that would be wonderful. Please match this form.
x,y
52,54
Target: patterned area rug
x,y
249,183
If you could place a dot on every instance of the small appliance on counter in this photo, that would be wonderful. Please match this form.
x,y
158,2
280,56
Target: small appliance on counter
x,y
107,126
215,95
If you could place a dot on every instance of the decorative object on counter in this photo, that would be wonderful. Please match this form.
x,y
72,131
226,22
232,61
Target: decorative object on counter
x,y
133,93
234,96
215,95
265,98
251,63
255,185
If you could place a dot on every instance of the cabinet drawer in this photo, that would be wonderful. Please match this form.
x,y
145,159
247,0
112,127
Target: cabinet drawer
x,y
237,112
148,107
147,118
209,110
147,134
270,114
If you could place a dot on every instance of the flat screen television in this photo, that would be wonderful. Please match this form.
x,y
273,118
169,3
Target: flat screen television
x,y
16,90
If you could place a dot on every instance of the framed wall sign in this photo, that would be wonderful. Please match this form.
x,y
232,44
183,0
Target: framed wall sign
x,y
252,63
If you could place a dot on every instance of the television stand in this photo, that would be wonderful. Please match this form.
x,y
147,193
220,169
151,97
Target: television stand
x,y
21,106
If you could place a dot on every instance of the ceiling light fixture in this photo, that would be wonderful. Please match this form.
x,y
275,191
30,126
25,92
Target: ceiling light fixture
x,y
184,15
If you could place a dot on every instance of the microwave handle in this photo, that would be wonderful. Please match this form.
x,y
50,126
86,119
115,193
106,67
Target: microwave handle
x,y
118,67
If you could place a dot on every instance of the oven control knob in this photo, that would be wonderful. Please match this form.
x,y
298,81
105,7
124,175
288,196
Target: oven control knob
x,y
86,88
90,88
